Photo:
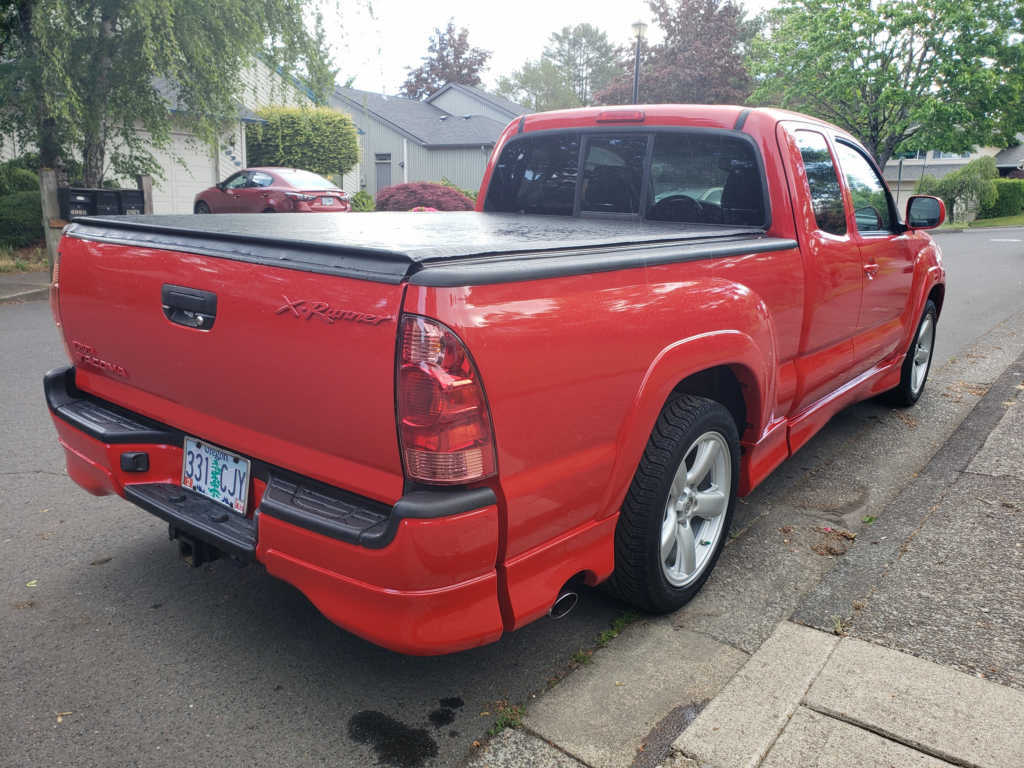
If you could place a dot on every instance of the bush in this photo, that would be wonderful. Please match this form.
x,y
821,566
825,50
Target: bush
x,y
1009,199
21,219
971,185
471,194
362,201
14,179
320,140
405,197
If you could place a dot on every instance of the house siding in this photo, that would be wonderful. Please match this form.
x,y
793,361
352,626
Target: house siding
x,y
264,87
458,103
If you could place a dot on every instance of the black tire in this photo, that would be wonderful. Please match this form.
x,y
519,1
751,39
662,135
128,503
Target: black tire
x,y
269,210
640,569
202,207
905,394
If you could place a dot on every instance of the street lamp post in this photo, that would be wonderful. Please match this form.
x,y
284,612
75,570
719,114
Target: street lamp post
x,y
638,30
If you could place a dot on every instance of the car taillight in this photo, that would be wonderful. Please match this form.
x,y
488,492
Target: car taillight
x,y
444,425
55,284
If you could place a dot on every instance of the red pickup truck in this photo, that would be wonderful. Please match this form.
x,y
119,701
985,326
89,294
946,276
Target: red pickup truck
x,y
439,425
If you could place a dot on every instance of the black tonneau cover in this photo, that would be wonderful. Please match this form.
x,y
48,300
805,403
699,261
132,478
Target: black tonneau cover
x,y
465,247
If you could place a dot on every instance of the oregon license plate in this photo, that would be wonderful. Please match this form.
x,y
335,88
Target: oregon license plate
x,y
216,474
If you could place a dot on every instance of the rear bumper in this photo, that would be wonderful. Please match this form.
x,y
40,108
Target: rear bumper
x,y
418,577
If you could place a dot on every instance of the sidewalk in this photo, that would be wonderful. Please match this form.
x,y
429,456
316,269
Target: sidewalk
x,y
23,286
909,652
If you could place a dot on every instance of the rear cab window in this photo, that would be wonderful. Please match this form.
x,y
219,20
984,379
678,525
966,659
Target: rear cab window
x,y
695,176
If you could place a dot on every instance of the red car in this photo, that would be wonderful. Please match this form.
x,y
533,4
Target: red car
x,y
438,426
273,190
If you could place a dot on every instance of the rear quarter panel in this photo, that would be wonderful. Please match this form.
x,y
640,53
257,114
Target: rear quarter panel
x,y
576,370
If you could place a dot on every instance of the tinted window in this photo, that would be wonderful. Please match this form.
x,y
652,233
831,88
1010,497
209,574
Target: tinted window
x,y
304,179
826,195
237,181
613,172
705,178
536,175
260,179
867,191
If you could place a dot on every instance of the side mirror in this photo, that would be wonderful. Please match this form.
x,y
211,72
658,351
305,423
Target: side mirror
x,y
925,212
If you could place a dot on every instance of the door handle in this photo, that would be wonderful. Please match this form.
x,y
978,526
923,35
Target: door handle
x,y
190,307
871,270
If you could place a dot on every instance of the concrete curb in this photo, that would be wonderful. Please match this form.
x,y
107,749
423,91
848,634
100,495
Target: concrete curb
x,y
34,294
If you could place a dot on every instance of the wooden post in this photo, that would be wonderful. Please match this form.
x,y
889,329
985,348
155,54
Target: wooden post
x,y
52,222
146,185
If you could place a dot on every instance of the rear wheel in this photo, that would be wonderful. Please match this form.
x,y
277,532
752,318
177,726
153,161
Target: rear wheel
x,y
202,207
918,361
676,516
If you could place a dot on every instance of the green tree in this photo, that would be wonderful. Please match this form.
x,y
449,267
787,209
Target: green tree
x,y
700,60
320,140
450,59
897,73
106,80
972,187
577,63
539,86
586,57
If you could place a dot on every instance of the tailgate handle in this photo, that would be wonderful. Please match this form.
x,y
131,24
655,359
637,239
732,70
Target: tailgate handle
x,y
190,307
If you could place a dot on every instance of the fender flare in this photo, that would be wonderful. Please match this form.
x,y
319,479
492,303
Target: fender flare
x,y
678,361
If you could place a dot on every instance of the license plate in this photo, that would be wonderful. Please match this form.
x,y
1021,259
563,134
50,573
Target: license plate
x,y
327,201
216,474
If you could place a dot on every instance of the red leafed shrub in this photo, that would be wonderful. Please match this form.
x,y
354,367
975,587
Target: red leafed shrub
x,y
405,197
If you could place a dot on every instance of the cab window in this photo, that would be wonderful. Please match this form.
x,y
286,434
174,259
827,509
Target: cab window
x,y
872,209
536,175
613,173
823,182
237,181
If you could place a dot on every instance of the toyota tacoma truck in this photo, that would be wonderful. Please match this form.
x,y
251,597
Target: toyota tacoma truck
x,y
439,426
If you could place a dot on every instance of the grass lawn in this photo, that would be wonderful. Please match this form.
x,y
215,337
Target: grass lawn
x,y
31,258
1002,221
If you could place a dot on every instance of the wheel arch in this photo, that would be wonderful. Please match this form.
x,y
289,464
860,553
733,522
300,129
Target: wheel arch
x,y
726,366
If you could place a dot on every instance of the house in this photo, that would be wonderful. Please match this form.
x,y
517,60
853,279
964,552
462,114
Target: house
x,y
190,165
448,135
903,172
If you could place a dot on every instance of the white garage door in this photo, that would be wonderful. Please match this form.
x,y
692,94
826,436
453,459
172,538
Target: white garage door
x,y
193,171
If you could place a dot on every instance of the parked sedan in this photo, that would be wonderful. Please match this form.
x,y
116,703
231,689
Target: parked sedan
x,y
272,190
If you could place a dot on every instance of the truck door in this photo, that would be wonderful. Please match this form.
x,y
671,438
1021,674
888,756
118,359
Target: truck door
x,y
832,263
886,254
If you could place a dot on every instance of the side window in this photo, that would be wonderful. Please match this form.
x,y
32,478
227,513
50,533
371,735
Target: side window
x,y
237,181
613,172
260,179
871,209
826,195
536,175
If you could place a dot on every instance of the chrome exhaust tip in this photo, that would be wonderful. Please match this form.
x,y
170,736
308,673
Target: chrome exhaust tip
x,y
563,604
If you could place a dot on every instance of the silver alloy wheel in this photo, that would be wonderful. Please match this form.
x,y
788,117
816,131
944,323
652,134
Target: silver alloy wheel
x,y
695,509
923,345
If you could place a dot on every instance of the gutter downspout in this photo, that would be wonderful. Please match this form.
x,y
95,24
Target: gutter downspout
x,y
405,161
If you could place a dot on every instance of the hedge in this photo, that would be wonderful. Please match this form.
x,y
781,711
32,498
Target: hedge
x,y
21,219
405,197
362,201
320,140
1009,200
14,179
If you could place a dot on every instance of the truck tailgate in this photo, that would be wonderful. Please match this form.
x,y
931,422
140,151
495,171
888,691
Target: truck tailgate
x,y
295,368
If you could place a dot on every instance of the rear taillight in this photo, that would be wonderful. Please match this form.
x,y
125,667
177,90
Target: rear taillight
x,y
444,425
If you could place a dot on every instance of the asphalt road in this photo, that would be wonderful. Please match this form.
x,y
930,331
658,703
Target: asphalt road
x,y
117,654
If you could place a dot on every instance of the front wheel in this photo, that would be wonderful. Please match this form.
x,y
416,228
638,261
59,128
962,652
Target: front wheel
x,y
202,207
676,516
918,361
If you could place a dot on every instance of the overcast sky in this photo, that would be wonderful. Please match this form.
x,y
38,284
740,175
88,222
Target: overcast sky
x,y
375,41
